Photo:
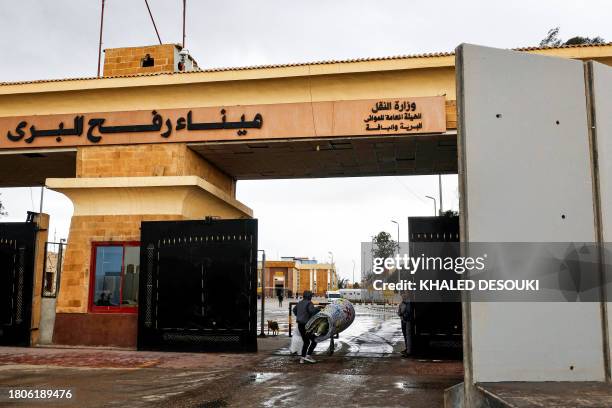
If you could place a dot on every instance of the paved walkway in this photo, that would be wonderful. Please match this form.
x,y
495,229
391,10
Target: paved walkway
x,y
366,371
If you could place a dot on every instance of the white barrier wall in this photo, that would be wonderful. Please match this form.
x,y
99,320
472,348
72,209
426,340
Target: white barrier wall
x,y
602,102
525,176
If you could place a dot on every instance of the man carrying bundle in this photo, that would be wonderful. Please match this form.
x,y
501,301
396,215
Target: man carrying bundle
x,y
303,311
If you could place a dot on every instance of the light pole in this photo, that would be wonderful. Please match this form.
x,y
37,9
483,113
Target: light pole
x,y
408,234
398,235
398,247
435,206
332,268
440,191
100,42
263,290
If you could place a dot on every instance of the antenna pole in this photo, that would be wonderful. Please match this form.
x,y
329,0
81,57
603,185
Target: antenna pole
x,y
184,14
153,21
100,43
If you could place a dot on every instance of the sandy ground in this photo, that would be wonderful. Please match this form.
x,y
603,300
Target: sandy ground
x,y
365,371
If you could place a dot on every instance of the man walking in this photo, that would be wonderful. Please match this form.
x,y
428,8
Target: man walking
x,y
303,311
404,312
279,295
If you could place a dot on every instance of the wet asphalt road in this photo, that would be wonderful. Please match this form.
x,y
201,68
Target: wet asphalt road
x,y
374,333
365,371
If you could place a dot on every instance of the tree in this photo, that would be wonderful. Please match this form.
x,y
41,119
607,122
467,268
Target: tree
x,y
383,246
552,39
342,283
585,40
2,209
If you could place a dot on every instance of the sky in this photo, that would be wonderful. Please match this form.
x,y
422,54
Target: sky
x,y
58,39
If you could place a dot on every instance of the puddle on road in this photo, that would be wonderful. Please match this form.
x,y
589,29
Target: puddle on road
x,y
159,397
258,378
287,397
411,386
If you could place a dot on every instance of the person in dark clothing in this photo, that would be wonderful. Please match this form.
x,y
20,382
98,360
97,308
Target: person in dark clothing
x,y
280,298
404,312
303,311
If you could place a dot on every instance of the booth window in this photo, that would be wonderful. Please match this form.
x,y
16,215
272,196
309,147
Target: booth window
x,y
115,270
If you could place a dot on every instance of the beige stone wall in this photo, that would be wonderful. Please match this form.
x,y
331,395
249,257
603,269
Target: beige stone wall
x,y
128,61
74,294
172,159
194,164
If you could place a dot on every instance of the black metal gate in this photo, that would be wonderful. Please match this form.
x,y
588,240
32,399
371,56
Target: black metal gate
x,y
17,247
198,285
436,323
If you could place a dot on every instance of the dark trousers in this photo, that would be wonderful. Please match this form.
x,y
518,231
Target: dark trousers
x,y
407,336
309,343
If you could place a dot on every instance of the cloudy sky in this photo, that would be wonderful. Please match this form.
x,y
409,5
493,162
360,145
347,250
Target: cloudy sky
x,y
56,39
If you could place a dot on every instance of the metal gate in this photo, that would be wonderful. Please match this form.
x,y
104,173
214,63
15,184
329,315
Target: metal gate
x,y
436,324
17,247
198,285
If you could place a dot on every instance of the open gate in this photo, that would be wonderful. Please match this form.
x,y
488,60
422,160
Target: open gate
x,y
198,285
436,323
17,247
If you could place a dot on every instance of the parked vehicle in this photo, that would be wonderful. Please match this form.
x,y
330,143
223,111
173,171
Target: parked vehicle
x,y
332,295
354,295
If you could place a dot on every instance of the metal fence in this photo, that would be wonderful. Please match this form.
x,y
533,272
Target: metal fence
x,y
52,271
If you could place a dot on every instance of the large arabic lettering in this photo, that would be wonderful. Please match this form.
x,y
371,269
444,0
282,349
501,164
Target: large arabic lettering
x,y
192,124
97,127
402,117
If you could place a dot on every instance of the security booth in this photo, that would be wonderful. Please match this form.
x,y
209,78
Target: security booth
x,y
105,286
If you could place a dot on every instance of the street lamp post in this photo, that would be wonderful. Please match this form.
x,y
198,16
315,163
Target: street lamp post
x,y
263,290
398,246
434,202
332,268
398,235
408,234
440,192
353,274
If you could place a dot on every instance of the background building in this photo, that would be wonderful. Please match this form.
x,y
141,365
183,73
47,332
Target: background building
x,y
294,275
